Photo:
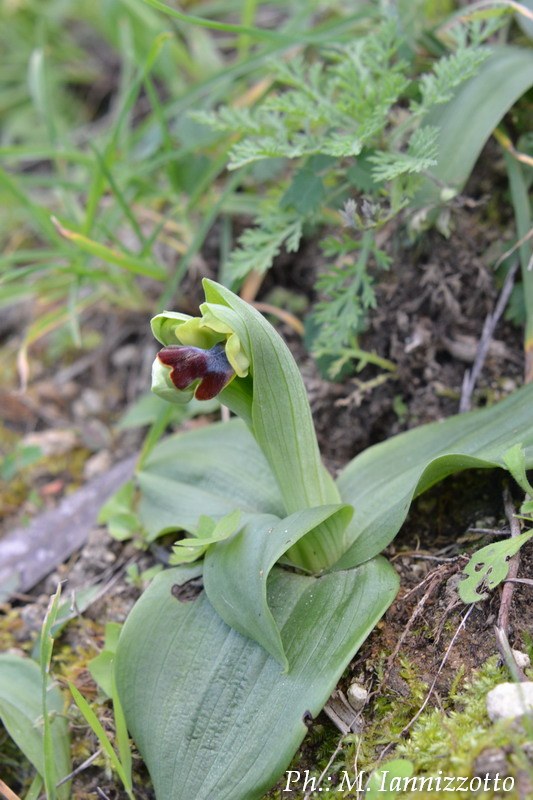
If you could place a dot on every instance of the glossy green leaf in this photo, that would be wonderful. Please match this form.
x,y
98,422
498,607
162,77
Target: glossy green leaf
x,y
22,715
236,570
489,567
210,471
211,712
467,121
280,418
381,482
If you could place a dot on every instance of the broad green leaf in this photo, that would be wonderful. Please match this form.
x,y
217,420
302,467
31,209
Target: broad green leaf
x,y
382,482
467,121
281,416
236,570
281,419
210,471
211,712
22,715
489,567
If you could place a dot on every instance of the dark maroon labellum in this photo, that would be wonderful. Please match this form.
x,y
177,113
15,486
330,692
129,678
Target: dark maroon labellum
x,y
190,364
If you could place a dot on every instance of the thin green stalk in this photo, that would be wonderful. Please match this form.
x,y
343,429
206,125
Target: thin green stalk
x,y
522,211
247,20
47,643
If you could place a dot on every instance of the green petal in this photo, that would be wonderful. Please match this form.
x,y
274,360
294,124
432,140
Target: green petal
x,y
196,333
163,387
236,356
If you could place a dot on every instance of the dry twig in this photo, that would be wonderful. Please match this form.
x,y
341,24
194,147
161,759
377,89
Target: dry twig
x,y
6,792
471,376
514,565
502,625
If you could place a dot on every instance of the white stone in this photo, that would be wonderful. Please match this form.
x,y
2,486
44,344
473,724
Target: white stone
x,y
522,660
510,700
357,696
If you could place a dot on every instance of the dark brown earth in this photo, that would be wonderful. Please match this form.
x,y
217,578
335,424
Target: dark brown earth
x,y
431,310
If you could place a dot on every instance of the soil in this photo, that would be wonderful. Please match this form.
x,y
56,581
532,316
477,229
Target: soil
x,y
431,309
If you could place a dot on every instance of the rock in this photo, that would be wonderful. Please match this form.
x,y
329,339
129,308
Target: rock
x,y
53,442
491,761
92,401
96,464
125,355
510,700
357,696
522,660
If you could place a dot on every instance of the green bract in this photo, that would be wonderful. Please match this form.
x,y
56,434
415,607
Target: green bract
x,y
220,663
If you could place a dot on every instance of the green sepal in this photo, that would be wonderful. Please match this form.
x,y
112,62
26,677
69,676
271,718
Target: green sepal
x,y
164,326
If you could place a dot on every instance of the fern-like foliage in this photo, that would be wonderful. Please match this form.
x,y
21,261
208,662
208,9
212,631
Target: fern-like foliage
x,y
420,155
349,108
260,245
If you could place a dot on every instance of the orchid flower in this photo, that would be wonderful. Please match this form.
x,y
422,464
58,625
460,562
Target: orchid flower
x,y
202,355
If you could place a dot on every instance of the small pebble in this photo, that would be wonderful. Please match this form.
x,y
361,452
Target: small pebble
x,y
93,401
357,696
510,700
97,464
126,355
522,660
53,442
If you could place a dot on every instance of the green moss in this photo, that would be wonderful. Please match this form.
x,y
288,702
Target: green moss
x,y
452,741
449,738
21,487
